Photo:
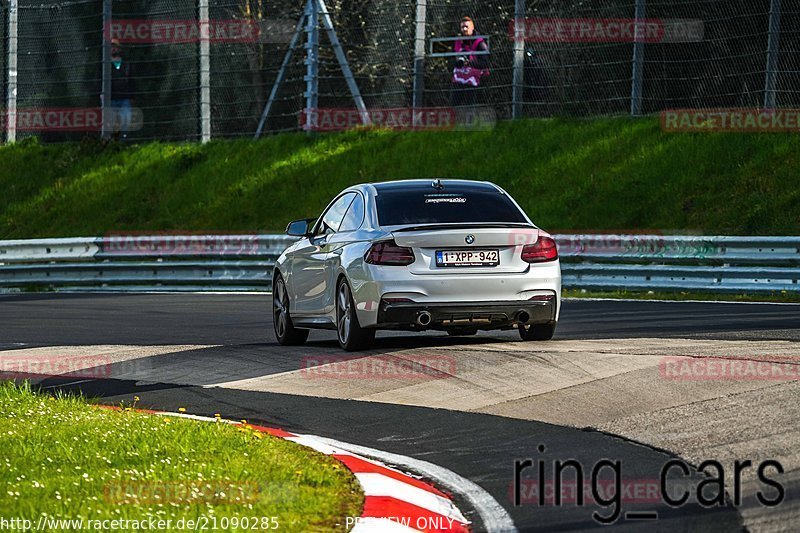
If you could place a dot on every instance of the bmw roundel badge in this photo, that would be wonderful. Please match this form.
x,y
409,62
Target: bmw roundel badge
x,y
470,239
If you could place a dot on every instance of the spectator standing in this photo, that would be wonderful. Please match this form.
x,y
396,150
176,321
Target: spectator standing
x,y
470,68
123,91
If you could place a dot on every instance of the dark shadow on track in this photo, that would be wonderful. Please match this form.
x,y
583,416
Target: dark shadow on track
x,y
482,448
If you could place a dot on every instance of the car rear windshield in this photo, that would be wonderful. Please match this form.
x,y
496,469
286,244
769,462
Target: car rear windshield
x,y
426,206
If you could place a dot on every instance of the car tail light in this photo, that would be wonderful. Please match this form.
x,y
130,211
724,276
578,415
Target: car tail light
x,y
388,253
542,251
542,298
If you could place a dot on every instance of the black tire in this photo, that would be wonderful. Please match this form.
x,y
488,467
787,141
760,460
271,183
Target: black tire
x,y
537,332
462,331
285,332
352,337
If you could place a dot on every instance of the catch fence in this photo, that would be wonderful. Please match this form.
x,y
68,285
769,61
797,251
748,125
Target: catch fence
x,y
203,69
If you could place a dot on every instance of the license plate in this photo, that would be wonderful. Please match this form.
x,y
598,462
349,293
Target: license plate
x,y
467,258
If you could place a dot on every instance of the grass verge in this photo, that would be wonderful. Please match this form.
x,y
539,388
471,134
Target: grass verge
x,y
65,459
608,174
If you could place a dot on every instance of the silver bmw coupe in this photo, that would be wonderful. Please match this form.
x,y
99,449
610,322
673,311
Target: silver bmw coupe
x,y
451,255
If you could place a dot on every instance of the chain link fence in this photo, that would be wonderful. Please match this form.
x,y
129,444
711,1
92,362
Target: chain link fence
x,y
547,58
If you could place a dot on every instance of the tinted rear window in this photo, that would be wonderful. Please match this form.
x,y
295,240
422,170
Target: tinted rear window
x,y
427,206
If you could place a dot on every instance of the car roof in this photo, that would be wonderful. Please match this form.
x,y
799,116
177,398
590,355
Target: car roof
x,y
426,184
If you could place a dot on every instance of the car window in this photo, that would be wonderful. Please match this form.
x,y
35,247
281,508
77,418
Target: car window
x,y
333,217
425,206
354,216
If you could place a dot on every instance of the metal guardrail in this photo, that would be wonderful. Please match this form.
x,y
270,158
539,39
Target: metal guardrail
x,y
245,263
142,263
659,262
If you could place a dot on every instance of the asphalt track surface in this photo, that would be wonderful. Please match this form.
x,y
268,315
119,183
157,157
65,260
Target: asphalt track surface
x,y
77,319
590,395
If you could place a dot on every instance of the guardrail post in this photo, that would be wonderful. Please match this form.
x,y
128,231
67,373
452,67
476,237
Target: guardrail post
x,y
638,60
11,89
773,48
519,58
205,71
419,54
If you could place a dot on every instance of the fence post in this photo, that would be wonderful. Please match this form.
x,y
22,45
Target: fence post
x,y
519,58
205,71
11,90
105,89
638,60
419,54
312,63
773,48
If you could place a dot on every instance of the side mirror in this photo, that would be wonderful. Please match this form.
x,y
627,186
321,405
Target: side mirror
x,y
299,228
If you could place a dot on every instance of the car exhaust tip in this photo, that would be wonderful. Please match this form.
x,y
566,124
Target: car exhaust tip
x,y
424,318
523,317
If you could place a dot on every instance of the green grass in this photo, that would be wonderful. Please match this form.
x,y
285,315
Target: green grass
x,y
612,174
64,458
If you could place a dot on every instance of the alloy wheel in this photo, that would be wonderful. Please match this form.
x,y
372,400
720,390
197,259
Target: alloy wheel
x,y
343,313
280,309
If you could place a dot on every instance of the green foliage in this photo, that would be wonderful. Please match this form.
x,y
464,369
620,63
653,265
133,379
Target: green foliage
x,y
569,175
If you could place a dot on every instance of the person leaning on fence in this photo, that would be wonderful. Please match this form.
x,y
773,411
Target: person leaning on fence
x,y
123,91
470,68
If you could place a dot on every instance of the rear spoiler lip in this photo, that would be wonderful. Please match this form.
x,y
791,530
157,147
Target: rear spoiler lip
x,y
490,225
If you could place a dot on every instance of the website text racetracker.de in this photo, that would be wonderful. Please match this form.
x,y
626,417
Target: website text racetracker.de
x,y
392,367
200,523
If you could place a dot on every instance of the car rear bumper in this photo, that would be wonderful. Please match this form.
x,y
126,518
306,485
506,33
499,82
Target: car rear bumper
x,y
480,315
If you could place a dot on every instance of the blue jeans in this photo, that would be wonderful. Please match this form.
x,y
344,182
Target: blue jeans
x,y
121,116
